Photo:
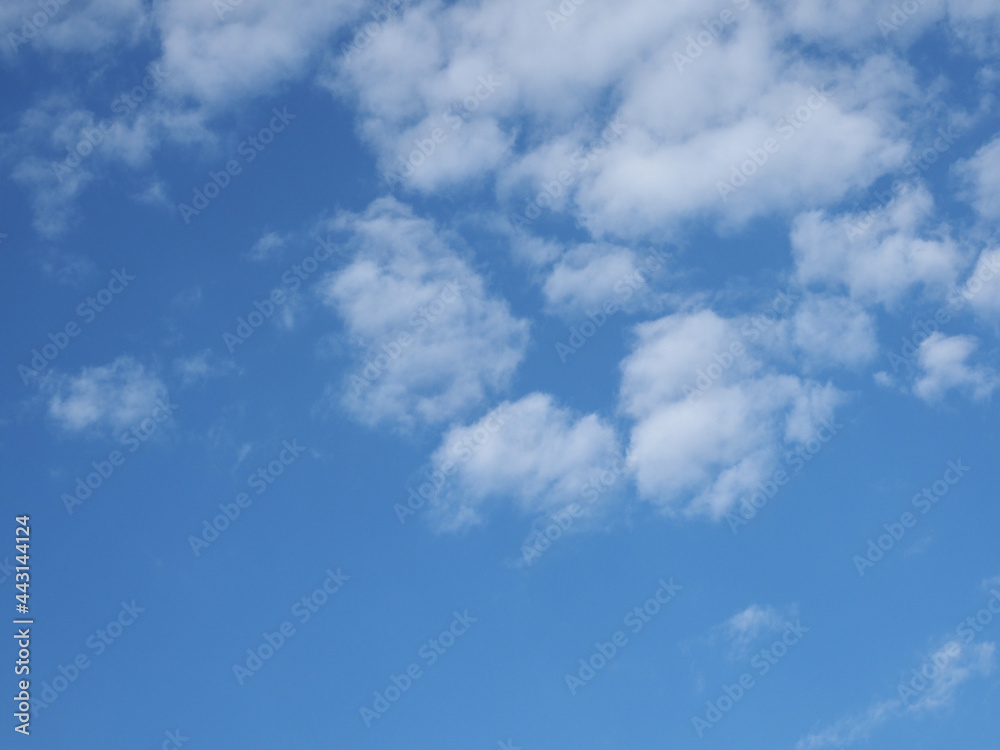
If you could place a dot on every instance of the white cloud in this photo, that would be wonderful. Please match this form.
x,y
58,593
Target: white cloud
x,y
711,420
754,622
982,287
531,452
432,341
834,330
70,25
588,276
952,665
105,399
59,148
682,130
943,366
268,246
877,257
245,50
201,366
981,173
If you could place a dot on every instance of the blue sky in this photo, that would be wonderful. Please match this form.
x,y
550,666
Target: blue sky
x,y
503,374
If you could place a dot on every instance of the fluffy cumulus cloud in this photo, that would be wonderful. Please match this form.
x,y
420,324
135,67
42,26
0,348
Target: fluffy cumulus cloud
x,y
432,341
223,51
531,453
588,277
943,363
711,419
834,331
104,400
709,100
880,255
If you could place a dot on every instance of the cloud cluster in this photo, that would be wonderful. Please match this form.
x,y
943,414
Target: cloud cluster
x,y
711,418
431,340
